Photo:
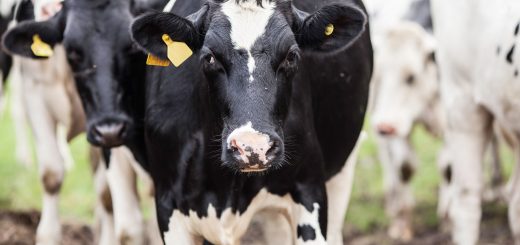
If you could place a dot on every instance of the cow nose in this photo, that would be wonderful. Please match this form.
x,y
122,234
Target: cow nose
x,y
109,135
386,129
254,151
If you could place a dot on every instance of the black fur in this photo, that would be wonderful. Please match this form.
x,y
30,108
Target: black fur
x,y
314,103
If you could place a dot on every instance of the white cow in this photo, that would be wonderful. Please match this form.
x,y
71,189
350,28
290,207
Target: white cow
x,y
45,92
405,93
479,57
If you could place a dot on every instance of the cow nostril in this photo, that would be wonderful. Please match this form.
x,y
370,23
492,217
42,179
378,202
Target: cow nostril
x,y
236,148
109,135
274,150
386,129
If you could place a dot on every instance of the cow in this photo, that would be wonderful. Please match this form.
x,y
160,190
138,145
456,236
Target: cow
x,y
5,60
260,111
404,94
102,61
478,58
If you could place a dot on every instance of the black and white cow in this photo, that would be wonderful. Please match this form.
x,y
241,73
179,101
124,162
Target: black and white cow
x,y
6,15
108,74
261,116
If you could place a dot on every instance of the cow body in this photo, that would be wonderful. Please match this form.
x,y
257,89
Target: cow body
x,y
199,192
479,80
58,95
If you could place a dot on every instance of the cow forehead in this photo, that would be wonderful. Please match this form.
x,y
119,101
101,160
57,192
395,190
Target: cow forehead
x,y
248,21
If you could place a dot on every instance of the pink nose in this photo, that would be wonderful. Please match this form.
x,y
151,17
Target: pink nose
x,y
386,129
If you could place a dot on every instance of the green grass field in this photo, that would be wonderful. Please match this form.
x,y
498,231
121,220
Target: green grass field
x,y
20,187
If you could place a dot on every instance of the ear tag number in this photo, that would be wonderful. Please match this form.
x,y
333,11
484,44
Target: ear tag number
x,y
329,29
153,60
178,52
40,48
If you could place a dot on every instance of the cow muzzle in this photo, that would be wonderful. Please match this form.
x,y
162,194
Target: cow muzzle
x,y
254,151
108,134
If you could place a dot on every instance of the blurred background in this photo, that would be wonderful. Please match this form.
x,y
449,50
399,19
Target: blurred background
x,y
401,209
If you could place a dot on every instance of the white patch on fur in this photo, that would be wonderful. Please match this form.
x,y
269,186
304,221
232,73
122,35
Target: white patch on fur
x,y
248,23
311,219
169,6
226,230
6,7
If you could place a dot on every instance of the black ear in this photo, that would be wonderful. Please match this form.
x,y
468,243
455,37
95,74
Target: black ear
x,y
332,28
147,31
19,39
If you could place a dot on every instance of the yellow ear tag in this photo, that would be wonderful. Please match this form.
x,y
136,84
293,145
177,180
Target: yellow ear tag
x,y
156,61
178,52
329,29
40,48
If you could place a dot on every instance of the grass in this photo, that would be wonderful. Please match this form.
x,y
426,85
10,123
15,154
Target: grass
x,y
20,187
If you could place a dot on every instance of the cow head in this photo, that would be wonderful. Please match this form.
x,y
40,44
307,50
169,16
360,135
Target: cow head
x,y
406,81
101,54
249,52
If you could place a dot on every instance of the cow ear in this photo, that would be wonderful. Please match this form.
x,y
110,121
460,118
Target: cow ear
x,y
148,30
332,28
33,39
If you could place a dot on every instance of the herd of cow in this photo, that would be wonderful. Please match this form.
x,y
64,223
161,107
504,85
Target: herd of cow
x,y
231,109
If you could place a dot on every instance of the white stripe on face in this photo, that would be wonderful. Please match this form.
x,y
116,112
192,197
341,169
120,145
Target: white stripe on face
x,y
248,23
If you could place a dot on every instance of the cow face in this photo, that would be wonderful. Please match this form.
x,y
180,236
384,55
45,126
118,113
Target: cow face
x,y
102,57
406,82
249,53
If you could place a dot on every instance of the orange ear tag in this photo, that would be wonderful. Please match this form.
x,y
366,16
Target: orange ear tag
x,y
153,60
329,29
40,48
178,52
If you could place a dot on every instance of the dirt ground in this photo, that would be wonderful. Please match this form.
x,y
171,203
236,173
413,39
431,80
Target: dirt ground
x,y
18,228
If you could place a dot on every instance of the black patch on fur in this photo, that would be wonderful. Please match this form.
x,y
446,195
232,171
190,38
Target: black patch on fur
x,y
106,155
498,50
509,57
448,173
517,29
306,232
406,172
516,72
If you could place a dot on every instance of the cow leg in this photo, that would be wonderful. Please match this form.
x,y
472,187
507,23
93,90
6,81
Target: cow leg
x,y
514,201
309,215
467,136
18,113
445,168
51,166
129,223
339,189
104,227
398,167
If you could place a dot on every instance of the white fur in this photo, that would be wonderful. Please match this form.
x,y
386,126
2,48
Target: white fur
x,y
169,6
248,23
477,85
226,230
6,7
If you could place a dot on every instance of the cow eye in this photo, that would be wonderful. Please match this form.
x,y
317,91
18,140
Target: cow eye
x,y
210,63
410,80
290,62
74,57
292,56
